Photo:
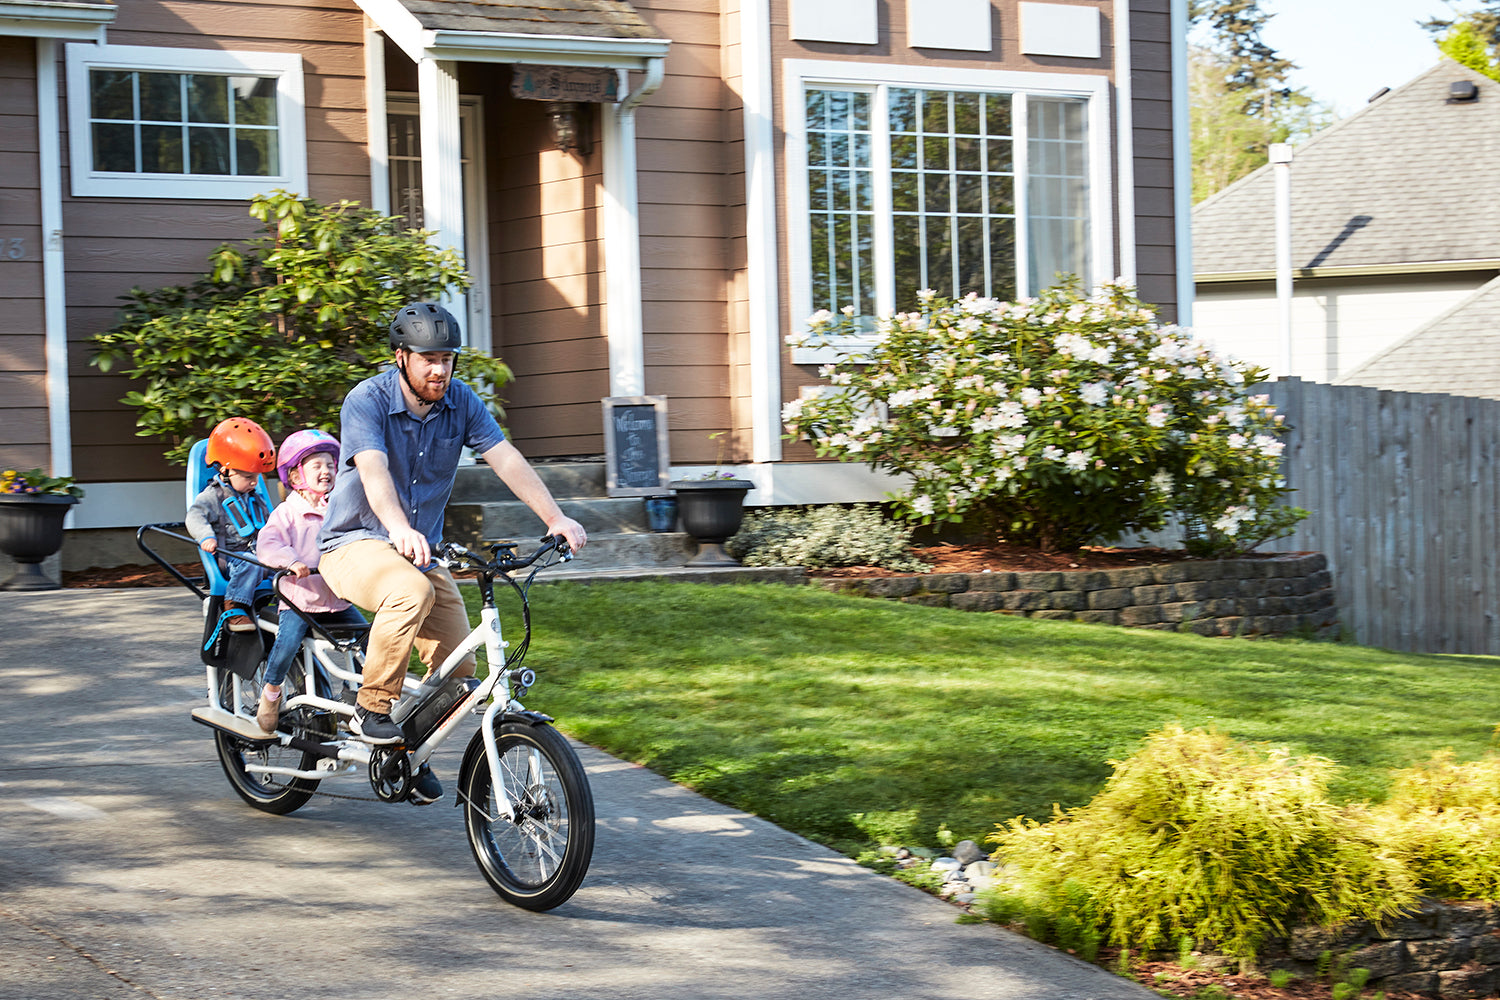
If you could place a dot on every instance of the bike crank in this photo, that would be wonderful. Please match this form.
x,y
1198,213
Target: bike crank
x,y
390,773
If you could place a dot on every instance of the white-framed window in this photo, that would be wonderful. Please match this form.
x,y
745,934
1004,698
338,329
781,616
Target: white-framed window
x,y
147,122
905,178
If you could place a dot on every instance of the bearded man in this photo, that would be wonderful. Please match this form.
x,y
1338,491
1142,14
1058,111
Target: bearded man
x,y
403,432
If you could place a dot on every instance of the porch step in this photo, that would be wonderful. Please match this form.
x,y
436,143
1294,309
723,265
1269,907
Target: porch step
x,y
479,484
512,519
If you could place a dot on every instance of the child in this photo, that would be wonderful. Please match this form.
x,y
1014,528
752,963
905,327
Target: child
x,y
230,510
307,467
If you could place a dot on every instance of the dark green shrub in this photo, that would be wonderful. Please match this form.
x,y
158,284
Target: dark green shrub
x,y
281,328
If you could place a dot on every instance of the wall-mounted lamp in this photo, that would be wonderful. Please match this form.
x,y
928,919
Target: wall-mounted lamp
x,y
570,127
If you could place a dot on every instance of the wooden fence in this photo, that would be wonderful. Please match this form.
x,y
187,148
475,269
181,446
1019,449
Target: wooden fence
x,y
1404,489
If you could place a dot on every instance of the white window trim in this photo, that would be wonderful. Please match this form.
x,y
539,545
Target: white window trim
x,y
286,67
799,74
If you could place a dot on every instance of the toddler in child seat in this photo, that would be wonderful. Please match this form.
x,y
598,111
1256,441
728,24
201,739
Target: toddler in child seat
x,y
229,511
308,463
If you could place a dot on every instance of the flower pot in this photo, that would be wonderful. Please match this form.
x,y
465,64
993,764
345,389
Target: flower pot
x,y
661,513
712,510
31,529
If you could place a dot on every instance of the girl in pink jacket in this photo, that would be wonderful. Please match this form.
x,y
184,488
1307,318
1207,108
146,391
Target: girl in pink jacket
x,y
307,463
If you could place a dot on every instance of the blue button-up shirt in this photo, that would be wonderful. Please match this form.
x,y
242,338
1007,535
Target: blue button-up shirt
x,y
421,452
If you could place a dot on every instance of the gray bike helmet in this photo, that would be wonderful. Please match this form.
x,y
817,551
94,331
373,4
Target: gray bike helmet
x,y
425,326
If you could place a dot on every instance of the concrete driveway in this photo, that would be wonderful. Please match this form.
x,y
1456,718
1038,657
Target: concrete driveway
x,y
129,868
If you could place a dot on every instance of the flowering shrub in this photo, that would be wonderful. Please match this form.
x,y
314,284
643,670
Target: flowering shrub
x,y
37,481
1054,421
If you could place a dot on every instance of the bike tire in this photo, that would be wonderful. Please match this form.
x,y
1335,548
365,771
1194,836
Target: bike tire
x,y
538,860
273,794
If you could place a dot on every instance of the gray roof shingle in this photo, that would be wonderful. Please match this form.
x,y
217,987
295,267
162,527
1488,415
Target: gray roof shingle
x,y
587,18
1457,353
1409,178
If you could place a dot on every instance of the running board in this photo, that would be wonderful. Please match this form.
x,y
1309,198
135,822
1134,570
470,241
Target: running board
x,y
234,725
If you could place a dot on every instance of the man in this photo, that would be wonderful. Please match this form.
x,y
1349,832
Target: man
x,y
402,432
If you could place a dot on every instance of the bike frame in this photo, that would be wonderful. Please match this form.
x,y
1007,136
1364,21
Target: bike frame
x,y
326,657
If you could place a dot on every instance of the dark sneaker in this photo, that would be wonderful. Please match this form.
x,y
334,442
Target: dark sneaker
x,y
374,727
425,788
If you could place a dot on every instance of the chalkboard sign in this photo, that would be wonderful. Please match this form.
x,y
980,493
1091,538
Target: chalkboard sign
x,y
635,445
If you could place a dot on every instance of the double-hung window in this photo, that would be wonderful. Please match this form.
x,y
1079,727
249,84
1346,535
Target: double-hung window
x,y
988,182
184,123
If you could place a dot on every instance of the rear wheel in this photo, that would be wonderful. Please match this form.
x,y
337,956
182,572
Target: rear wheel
x,y
245,763
537,859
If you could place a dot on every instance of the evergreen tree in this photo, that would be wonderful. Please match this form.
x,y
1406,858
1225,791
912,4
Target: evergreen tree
x,y
1253,69
1485,22
1471,39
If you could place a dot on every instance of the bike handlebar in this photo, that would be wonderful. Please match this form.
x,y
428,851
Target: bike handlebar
x,y
453,554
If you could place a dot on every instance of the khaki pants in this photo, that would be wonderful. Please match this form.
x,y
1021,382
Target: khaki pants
x,y
411,608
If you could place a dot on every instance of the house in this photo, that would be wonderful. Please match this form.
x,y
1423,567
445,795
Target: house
x,y
1395,224
650,195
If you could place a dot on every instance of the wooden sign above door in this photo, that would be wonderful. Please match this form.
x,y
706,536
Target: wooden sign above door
x,y
565,83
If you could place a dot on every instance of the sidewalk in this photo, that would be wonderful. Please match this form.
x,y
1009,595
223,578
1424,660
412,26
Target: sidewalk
x,y
128,867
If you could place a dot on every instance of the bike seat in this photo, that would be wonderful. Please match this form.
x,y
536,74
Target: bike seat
x,y
198,475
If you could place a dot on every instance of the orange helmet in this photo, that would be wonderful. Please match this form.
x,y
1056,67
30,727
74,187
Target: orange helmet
x,y
239,443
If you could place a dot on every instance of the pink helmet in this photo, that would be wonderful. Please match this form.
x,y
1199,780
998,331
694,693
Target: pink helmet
x,y
298,446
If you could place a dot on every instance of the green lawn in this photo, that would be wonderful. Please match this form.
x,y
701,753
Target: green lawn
x,y
852,720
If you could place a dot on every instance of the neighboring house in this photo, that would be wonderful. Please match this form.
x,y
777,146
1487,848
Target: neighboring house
x,y
1395,222
650,195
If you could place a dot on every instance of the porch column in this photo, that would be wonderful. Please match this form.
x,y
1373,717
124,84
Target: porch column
x,y
54,267
622,254
442,169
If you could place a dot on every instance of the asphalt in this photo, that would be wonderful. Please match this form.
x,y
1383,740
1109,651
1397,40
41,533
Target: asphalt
x,y
129,869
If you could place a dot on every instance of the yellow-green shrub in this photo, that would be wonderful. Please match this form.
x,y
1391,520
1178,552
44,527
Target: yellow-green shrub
x,y
1442,823
1200,835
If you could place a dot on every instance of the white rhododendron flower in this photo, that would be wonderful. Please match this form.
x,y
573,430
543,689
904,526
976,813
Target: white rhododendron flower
x,y
1094,393
922,505
1077,461
1051,453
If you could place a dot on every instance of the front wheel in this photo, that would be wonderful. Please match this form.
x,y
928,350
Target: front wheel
x,y
537,859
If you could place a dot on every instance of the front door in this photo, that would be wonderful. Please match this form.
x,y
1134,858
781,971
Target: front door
x,y
404,126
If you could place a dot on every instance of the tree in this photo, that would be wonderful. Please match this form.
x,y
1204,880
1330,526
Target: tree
x,y
282,327
1226,142
1253,70
1485,21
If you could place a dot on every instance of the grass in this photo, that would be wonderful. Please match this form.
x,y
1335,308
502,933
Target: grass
x,y
855,721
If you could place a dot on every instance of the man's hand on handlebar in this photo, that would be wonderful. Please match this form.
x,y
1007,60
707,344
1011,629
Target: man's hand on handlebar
x,y
571,531
412,544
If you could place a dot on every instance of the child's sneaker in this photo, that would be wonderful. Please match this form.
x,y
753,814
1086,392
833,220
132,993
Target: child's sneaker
x,y
268,713
239,617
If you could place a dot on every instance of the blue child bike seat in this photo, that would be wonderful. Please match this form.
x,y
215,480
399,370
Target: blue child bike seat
x,y
198,476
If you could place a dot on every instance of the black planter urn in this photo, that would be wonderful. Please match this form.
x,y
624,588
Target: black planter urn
x,y
31,529
711,511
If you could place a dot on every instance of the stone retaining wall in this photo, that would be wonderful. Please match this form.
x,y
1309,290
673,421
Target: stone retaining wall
x,y
1279,594
1443,949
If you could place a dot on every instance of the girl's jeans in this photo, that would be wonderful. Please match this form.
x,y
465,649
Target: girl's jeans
x,y
291,630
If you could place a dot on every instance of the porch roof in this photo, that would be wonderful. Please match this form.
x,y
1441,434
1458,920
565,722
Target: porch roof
x,y
71,19
553,32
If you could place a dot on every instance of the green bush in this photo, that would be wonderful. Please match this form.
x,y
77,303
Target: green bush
x,y
281,328
825,537
1198,835
1442,823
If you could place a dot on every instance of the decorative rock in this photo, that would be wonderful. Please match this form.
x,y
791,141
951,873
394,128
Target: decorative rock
x,y
927,600
1411,982
977,600
965,898
1108,600
966,853
1026,600
1148,614
1424,924
945,865
1443,953
890,586
946,583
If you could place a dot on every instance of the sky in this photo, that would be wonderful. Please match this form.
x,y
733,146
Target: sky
x,y
1346,50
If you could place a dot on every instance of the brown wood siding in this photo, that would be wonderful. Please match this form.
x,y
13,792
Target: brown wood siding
x,y
1151,107
546,259
114,244
683,162
25,435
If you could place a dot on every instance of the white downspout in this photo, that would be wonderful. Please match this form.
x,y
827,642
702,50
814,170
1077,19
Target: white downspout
x,y
1182,164
760,232
622,238
54,272
1125,139
375,135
